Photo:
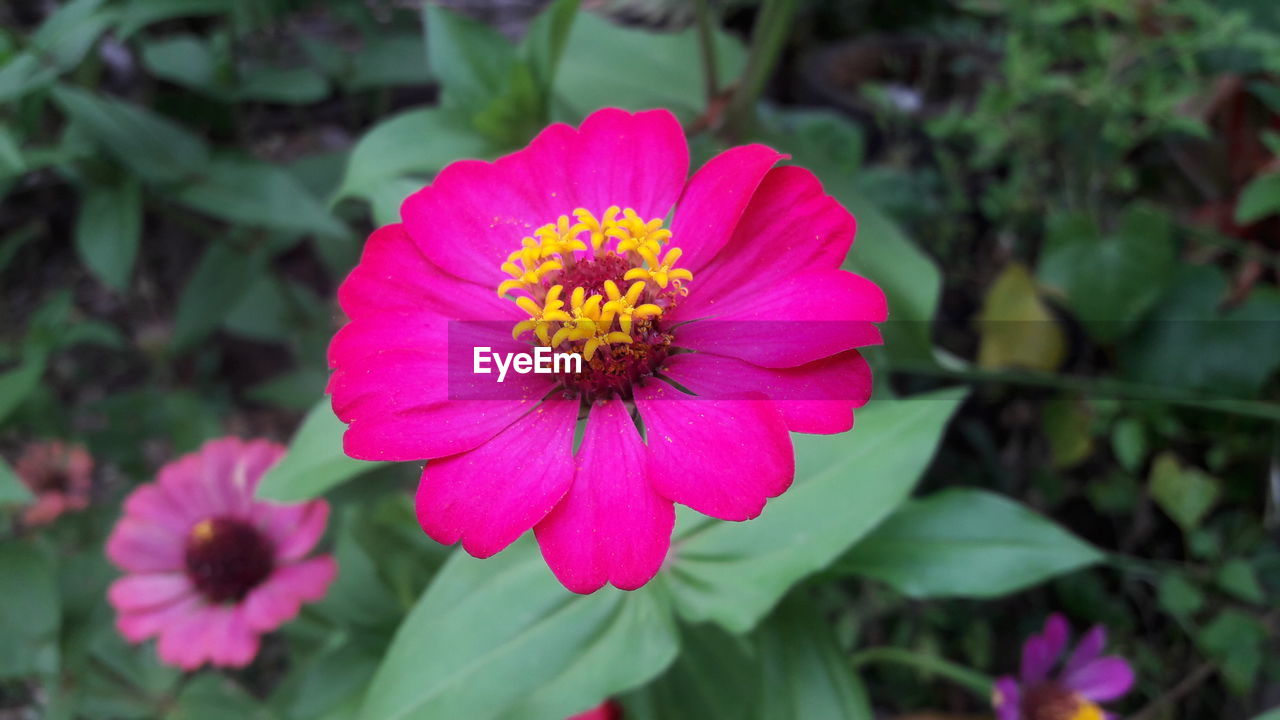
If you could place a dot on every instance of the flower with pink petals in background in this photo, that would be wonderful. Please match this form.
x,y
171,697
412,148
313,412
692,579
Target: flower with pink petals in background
x,y
1044,691
209,568
58,475
710,315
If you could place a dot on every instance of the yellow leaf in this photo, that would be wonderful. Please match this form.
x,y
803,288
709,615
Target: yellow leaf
x,y
1017,329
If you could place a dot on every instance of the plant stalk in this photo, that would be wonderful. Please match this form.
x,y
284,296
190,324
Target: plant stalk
x,y
971,680
772,27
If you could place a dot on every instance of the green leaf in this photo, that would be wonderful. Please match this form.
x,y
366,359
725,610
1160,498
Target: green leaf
x,y
1269,715
289,85
155,147
214,697
185,60
1017,329
57,46
18,383
1233,640
966,543
545,42
415,142
512,643
107,230
241,190
806,675
12,491
1260,198
1178,596
1129,443
224,274
471,61
732,573
315,461
716,676
1169,349
138,14
29,615
1185,494
1237,577
388,60
607,65
1110,282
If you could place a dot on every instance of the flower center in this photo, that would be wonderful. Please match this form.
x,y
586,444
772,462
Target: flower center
x,y
617,275
1051,701
226,558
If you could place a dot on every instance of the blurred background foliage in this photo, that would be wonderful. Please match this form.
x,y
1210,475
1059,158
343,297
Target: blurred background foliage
x,y
1073,205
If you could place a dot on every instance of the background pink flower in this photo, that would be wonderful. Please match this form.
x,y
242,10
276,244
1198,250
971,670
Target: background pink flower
x,y
209,568
1085,679
718,336
59,475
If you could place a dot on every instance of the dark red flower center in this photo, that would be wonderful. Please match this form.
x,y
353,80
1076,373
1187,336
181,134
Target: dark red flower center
x,y
226,558
1051,701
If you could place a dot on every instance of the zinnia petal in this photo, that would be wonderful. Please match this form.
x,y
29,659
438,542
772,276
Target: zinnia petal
x,y
278,600
715,199
1040,652
489,496
133,593
723,457
1103,679
1007,699
611,526
1089,648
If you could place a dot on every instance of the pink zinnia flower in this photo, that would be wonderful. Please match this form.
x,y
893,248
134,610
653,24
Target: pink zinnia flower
x,y
703,341
58,474
209,568
1073,693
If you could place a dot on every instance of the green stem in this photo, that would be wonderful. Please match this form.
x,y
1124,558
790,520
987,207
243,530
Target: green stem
x,y
706,43
770,33
971,680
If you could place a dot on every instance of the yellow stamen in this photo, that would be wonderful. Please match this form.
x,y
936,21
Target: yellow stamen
x,y
624,307
202,532
1086,710
542,317
660,271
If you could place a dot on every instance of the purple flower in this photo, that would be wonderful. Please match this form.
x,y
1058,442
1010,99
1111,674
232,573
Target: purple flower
x,y
1074,691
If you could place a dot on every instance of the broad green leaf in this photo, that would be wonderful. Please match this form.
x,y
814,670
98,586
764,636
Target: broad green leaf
x,y
1178,596
241,190
963,542
225,272
107,229
1185,494
510,642
717,675
216,697
806,674
58,45
732,573
469,59
1111,282
607,65
1017,329
16,384
1260,198
415,142
1269,715
153,146
332,678
315,461
1171,348
29,615
185,60
1237,577
544,44
391,59
12,491
1129,443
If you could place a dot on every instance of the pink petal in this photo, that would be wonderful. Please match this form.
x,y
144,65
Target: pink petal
x,y
278,600
804,317
256,458
219,460
720,456
1007,699
394,276
1089,648
230,641
139,546
790,225
715,199
611,526
816,397
183,480
405,386
294,529
185,642
488,497
474,213
132,593
154,504
139,625
1106,678
1041,652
